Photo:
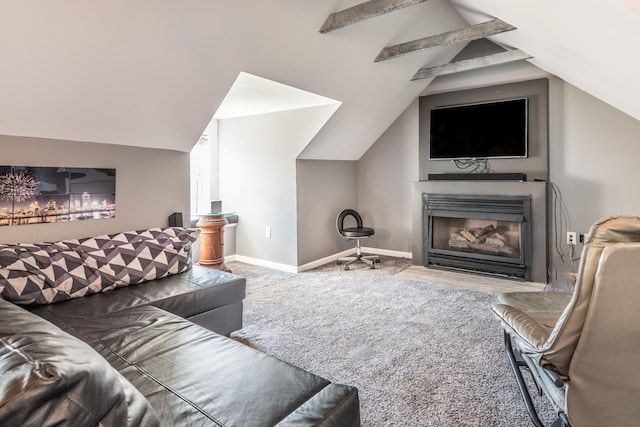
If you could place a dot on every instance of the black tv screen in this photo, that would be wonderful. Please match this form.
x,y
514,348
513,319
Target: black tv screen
x,y
484,130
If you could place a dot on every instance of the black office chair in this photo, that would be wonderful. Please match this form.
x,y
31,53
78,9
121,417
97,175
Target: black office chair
x,y
358,232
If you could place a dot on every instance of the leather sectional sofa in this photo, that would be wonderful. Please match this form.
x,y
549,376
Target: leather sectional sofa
x,y
136,337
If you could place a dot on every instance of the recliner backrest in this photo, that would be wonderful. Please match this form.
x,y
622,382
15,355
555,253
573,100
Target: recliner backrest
x,y
604,386
561,343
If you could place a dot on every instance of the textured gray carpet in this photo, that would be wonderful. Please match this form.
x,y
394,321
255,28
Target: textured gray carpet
x,y
419,355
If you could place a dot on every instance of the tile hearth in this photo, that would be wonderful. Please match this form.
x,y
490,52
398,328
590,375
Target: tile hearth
x,y
472,282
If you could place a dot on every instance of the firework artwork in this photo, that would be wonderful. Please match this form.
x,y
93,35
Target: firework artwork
x,y
35,195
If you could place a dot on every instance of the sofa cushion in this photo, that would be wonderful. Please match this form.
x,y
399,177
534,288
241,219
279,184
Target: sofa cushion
x,y
52,378
197,292
193,376
20,277
43,273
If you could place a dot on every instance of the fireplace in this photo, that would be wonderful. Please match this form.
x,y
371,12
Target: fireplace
x,y
488,234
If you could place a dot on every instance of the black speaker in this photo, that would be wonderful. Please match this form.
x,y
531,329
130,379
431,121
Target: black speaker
x,y
175,220
477,176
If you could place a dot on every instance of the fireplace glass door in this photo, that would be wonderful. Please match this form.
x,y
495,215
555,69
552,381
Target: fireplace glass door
x,y
477,236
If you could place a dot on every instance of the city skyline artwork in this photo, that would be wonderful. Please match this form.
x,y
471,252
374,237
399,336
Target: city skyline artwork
x,y
36,195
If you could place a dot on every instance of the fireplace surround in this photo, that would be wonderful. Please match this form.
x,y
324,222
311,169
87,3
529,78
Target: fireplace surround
x,y
518,177
533,246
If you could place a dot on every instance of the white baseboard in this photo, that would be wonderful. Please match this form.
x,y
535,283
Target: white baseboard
x,y
263,263
375,251
317,263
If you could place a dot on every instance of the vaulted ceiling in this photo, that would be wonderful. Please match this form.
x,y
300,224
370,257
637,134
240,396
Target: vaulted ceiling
x,y
152,73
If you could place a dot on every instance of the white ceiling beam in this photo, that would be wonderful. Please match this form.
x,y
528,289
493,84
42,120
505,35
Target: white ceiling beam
x,y
471,64
362,11
467,34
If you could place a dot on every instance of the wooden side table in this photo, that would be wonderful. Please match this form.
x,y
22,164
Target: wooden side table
x,y
212,241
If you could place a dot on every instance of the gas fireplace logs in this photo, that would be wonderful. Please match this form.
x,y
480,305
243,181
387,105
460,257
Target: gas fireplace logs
x,y
488,239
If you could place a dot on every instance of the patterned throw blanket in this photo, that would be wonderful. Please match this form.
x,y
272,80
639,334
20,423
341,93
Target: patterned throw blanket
x,y
42,273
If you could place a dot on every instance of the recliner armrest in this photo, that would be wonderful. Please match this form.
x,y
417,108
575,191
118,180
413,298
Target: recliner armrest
x,y
519,324
544,307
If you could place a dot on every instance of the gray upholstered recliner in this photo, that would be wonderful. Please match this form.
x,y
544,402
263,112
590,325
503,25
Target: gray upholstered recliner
x,y
583,349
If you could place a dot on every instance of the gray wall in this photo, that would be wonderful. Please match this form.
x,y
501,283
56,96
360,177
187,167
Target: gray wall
x,y
385,174
535,165
324,188
593,160
593,152
150,185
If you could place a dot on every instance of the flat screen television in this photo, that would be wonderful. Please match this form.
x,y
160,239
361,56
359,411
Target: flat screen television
x,y
495,129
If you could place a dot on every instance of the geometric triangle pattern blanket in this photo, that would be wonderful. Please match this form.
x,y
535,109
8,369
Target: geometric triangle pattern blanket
x,y
43,273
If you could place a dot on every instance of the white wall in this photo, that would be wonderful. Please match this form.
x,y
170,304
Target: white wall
x,y
150,185
212,133
200,176
257,166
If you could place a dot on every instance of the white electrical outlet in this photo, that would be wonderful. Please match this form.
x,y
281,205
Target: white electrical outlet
x,y
267,232
572,238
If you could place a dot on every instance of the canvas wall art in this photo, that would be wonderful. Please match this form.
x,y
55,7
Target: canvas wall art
x,y
35,195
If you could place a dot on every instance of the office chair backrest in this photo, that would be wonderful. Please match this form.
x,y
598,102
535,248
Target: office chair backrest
x,y
343,215
559,348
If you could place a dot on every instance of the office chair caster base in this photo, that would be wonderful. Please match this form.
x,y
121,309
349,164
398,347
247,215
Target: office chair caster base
x,y
370,260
